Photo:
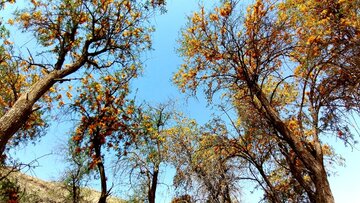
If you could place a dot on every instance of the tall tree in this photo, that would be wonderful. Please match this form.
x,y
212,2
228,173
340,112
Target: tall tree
x,y
261,58
72,36
203,169
149,152
108,119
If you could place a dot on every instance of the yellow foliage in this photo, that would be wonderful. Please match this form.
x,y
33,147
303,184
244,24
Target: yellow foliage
x,y
25,16
226,9
214,17
11,21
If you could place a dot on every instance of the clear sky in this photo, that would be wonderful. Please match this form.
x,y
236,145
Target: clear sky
x,y
155,86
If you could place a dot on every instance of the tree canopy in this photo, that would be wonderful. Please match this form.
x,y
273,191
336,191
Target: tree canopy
x,y
282,77
288,67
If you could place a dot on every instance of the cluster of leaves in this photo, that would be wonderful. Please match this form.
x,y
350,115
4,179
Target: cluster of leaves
x,y
182,198
108,29
326,56
108,117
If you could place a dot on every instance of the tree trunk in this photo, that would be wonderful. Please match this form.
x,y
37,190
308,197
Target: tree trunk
x,y
323,192
227,196
13,119
313,162
153,187
104,192
18,114
74,191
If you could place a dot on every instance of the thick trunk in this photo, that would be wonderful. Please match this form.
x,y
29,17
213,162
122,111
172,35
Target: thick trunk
x,y
314,163
18,114
323,192
13,119
154,182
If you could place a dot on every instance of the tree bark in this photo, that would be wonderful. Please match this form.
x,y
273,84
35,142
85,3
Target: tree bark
x,y
97,147
323,192
153,187
104,192
226,193
18,114
75,192
313,162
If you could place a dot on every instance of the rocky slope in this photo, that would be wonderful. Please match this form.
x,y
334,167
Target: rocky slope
x,y
34,190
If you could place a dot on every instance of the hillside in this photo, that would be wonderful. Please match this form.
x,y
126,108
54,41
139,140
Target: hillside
x,y
34,190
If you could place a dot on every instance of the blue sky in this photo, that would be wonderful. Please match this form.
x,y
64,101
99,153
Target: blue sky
x,y
155,86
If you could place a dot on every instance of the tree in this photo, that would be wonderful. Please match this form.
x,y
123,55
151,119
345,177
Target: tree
x,y
250,58
74,36
202,167
76,174
147,154
150,150
108,119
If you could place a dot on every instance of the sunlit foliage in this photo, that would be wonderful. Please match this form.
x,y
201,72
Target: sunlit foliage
x,y
294,64
72,36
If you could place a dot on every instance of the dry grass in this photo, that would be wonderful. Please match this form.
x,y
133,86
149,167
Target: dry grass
x,y
34,190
